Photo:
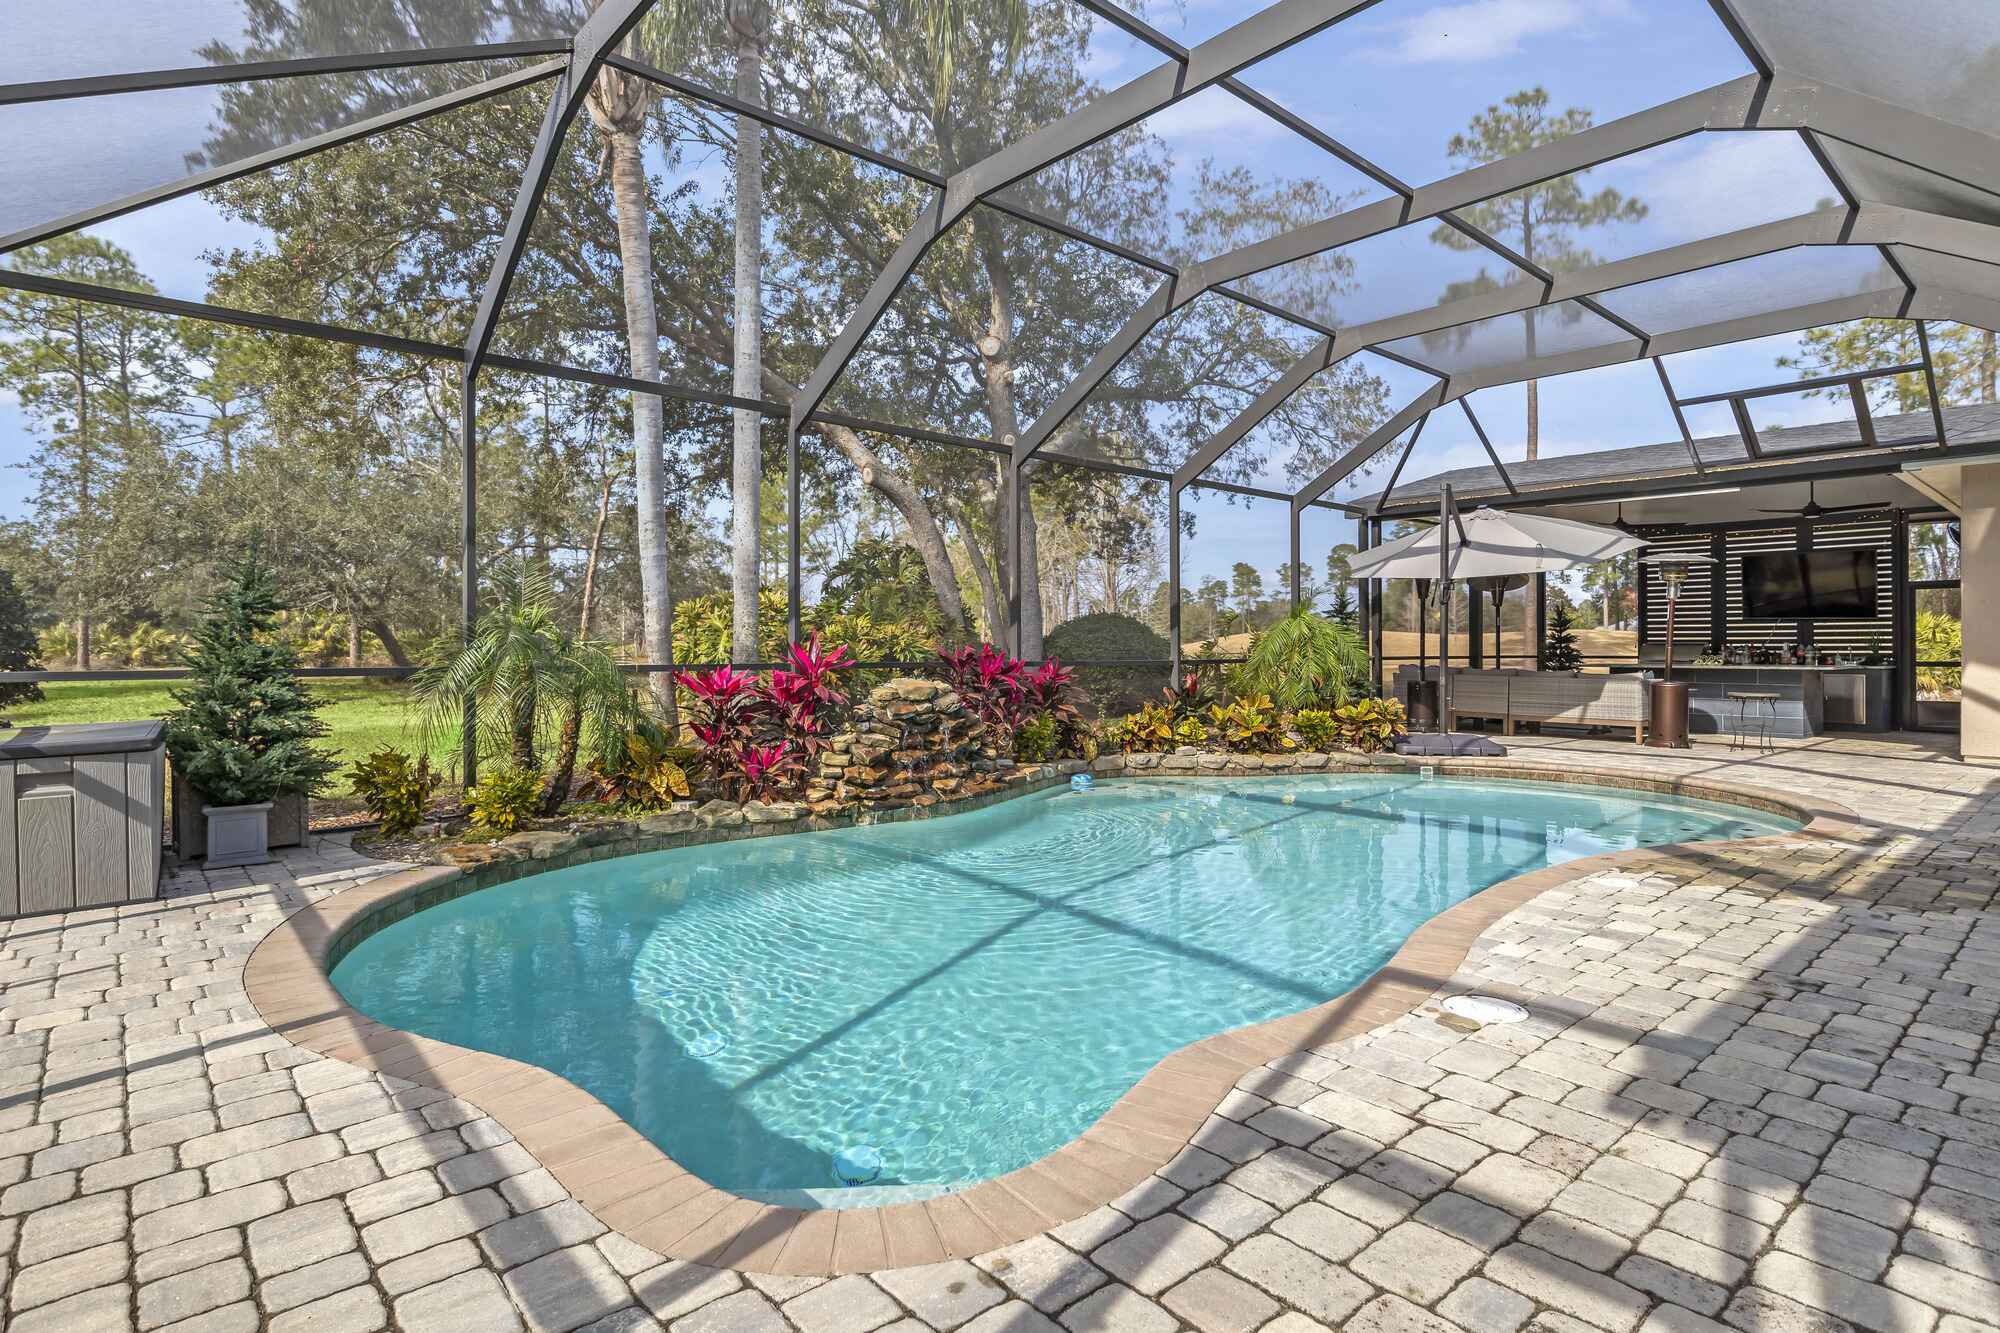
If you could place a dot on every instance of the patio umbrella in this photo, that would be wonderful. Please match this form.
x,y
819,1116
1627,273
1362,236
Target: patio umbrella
x,y
1493,542
1486,543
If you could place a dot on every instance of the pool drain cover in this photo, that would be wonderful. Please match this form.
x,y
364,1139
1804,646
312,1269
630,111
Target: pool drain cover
x,y
857,1165
707,1044
1484,1009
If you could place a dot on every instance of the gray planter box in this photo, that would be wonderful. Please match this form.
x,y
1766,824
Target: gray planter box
x,y
290,816
80,810
238,835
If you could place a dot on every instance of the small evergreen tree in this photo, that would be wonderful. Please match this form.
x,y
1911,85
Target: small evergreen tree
x,y
1342,611
1559,650
17,643
244,730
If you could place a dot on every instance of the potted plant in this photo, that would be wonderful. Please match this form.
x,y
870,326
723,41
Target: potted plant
x,y
241,738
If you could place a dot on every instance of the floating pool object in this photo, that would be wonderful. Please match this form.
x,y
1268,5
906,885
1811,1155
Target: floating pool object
x,y
707,1044
1080,782
857,1164
1484,1009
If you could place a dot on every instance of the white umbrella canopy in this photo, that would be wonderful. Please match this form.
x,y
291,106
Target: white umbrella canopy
x,y
1493,541
1486,543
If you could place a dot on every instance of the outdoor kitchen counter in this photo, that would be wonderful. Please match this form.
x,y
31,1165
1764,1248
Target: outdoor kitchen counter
x,y
1811,699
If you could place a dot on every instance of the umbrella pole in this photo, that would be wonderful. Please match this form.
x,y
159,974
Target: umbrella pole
x,y
1444,616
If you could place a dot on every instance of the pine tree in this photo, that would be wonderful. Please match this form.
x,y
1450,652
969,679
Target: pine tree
x,y
1342,611
1559,650
244,728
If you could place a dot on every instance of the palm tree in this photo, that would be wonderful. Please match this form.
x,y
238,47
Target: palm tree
x,y
748,23
528,677
619,104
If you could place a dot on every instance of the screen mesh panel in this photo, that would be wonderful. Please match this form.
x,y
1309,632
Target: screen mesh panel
x,y
1203,176
1801,276
1937,59
1543,333
1185,381
1399,80
144,140
58,39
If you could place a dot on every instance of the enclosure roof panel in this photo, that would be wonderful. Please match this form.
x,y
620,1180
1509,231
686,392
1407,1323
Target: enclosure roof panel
x,y
71,39
1972,424
1409,177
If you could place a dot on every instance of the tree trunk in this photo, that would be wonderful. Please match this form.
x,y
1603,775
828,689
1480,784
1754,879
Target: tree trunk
x,y
924,534
353,640
618,106
1989,366
522,736
596,553
989,590
1005,416
83,643
390,643
1031,573
556,790
747,480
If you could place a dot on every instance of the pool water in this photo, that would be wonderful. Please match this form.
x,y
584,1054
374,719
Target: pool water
x,y
961,996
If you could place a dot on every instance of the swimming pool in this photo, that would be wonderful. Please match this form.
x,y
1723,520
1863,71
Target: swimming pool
x,y
957,997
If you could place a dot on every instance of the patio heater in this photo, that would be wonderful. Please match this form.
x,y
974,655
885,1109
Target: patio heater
x,y
1668,698
1497,586
1422,705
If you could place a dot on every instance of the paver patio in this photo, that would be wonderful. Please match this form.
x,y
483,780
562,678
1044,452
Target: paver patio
x,y
1759,1089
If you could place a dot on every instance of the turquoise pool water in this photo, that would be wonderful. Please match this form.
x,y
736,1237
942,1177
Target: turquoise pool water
x,y
964,995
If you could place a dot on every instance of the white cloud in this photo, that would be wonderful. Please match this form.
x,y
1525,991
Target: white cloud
x,y
1476,30
1712,183
1213,114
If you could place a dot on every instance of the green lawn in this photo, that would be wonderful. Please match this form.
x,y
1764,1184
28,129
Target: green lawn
x,y
364,714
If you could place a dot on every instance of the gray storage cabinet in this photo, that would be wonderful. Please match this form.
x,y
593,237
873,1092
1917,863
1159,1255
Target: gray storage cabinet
x,y
80,810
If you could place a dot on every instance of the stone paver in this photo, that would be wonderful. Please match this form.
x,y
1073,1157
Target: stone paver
x,y
1758,1089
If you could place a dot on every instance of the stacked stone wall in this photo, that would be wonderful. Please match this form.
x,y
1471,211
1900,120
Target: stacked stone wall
x,y
912,742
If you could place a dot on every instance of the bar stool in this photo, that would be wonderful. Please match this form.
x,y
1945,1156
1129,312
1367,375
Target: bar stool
x,y
1766,722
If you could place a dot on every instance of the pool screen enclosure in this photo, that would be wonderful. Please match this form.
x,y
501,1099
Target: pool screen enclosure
x,y
1890,106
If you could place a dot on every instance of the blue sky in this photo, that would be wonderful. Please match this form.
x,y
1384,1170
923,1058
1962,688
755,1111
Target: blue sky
x,y
1393,83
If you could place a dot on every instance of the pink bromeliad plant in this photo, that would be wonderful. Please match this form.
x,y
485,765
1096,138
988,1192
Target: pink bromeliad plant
x,y
990,682
1046,693
733,710
767,770
804,696
728,705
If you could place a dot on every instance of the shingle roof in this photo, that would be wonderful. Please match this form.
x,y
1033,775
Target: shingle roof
x,y
1976,423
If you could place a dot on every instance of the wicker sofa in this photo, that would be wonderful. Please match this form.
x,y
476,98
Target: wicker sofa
x,y
1559,697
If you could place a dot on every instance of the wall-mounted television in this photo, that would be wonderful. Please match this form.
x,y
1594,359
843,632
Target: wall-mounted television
x,y
1820,585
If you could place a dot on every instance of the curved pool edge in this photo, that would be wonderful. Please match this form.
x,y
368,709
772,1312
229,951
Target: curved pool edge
x,y
634,1187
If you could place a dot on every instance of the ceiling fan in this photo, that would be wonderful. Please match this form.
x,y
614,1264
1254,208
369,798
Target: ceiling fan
x,y
1814,509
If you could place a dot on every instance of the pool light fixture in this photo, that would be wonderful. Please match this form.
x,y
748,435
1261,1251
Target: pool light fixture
x,y
857,1164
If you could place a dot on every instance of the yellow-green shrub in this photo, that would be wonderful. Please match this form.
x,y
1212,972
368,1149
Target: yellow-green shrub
x,y
1148,731
1317,727
395,790
1370,725
1249,725
504,798
1035,740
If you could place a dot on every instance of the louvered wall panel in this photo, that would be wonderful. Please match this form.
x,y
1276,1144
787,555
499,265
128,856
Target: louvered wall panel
x,y
1860,637
1694,620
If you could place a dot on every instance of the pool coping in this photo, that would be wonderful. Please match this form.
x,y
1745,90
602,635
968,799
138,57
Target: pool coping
x,y
636,1188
